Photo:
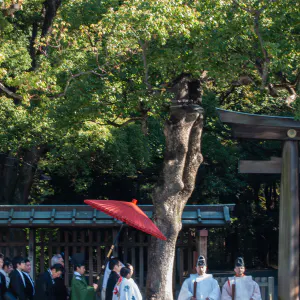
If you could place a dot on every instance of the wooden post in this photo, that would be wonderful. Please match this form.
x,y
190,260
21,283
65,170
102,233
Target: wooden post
x,y
288,269
31,251
202,242
271,288
141,260
67,268
116,249
90,257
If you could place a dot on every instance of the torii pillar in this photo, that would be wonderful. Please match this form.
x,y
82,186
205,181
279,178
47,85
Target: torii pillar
x,y
287,130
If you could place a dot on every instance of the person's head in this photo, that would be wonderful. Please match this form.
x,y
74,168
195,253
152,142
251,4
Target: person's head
x,y
115,265
80,268
1,260
201,265
130,267
56,270
239,267
7,266
57,259
18,263
27,267
125,273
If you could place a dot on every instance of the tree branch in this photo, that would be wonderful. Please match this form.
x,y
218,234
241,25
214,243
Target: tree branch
x,y
10,93
72,78
113,123
266,60
146,68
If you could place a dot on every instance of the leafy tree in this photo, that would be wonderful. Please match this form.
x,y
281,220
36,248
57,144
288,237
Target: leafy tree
x,y
82,82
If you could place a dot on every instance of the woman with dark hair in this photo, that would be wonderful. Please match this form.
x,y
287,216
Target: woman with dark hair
x,y
126,288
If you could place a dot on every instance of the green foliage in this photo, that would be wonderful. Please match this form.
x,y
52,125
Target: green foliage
x,y
86,91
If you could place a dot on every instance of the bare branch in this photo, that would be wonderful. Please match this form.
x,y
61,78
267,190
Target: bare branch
x,y
72,78
265,67
10,93
113,123
245,8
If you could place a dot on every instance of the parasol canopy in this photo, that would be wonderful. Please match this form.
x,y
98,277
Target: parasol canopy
x,y
129,213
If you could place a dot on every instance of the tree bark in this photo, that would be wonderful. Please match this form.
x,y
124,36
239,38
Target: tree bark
x,y
16,176
183,131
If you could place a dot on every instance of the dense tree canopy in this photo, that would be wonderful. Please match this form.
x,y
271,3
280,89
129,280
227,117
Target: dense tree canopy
x,y
85,87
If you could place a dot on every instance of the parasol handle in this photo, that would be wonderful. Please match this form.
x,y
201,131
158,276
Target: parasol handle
x,y
111,250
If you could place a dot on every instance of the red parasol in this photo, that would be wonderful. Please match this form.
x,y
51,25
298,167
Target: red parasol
x,y
129,213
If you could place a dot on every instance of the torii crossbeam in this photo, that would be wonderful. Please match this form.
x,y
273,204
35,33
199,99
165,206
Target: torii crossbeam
x,y
287,130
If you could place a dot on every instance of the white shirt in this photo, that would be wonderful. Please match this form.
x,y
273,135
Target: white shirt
x,y
6,277
31,281
22,276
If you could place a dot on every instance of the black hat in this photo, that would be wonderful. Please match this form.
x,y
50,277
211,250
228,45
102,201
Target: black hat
x,y
78,259
239,262
201,261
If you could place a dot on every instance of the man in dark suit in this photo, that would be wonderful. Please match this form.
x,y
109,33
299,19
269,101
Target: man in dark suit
x,y
29,289
17,281
115,267
44,288
60,289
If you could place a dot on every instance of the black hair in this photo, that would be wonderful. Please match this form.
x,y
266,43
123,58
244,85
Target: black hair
x,y
7,262
2,256
26,260
57,268
77,265
17,261
124,272
128,265
113,262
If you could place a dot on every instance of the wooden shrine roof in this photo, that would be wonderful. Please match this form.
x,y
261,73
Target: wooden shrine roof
x,y
85,216
253,126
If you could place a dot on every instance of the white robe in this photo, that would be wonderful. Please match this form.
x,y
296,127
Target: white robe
x,y
245,289
207,287
126,289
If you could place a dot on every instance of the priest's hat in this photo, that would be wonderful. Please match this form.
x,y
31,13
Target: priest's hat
x,y
201,261
239,262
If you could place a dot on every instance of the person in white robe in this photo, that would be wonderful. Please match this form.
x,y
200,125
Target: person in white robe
x,y
207,288
240,286
126,288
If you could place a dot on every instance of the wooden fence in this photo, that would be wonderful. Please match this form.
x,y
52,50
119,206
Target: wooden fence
x,y
95,243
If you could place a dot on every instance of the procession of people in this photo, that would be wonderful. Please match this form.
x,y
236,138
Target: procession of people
x,y
118,284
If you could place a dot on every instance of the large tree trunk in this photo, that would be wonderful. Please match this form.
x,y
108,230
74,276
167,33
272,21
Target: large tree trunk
x,y
16,176
182,159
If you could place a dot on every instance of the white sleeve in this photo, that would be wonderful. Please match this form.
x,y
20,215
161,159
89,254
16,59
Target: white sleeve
x,y
105,278
226,291
256,293
185,293
215,293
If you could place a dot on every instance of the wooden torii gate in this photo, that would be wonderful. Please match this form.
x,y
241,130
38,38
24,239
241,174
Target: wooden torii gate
x,y
286,129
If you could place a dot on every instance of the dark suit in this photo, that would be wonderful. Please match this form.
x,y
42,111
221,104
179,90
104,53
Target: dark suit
x,y
60,290
29,289
16,285
3,288
112,280
44,287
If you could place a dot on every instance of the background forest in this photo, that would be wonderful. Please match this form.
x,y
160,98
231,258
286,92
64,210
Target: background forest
x,y
86,86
